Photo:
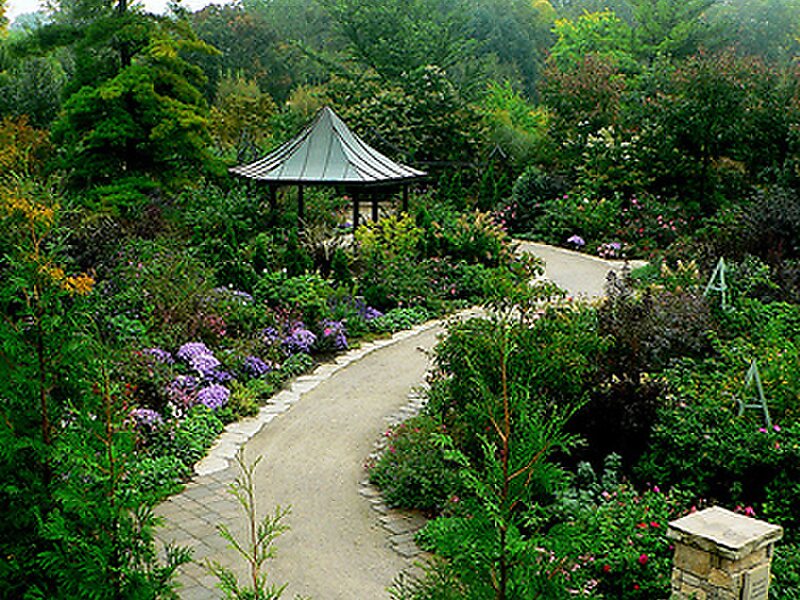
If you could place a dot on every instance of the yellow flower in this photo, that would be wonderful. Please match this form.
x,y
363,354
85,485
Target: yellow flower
x,y
81,284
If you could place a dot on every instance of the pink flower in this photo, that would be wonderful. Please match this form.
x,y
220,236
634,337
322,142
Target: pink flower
x,y
643,559
776,428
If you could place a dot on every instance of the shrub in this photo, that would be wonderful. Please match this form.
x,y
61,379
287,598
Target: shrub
x,y
652,326
307,294
617,547
398,319
555,358
297,364
413,472
476,238
159,476
699,443
162,286
192,437
531,193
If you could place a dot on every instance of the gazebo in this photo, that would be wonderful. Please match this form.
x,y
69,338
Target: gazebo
x,y
326,152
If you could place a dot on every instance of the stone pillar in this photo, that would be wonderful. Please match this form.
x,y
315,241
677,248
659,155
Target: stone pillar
x,y
721,555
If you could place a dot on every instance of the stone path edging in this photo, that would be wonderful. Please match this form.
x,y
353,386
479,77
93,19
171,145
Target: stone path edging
x,y
220,456
400,525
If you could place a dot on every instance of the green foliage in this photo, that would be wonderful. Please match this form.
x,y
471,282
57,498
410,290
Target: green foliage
x,y
488,539
675,28
766,28
161,287
223,225
156,477
297,364
148,119
306,294
616,542
515,36
257,549
473,238
193,436
515,125
413,471
420,116
554,361
531,191
101,530
240,116
33,87
398,319
398,37
599,34
584,98
785,584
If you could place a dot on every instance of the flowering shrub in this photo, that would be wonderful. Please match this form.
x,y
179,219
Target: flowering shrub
x,y
475,238
610,250
255,367
333,335
413,472
214,396
617,547
648,223
298,339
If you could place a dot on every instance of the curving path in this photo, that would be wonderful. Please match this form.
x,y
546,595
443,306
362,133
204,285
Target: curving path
x,y
336,549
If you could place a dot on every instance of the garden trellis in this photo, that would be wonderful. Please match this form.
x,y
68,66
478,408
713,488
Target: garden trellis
x,y
717,283
753,394
326,152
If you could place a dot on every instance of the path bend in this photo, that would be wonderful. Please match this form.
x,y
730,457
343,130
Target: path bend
x,y
313,458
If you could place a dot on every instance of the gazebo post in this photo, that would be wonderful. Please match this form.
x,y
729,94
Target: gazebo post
x,y
374,206
300,207
273,198
356,198
405,197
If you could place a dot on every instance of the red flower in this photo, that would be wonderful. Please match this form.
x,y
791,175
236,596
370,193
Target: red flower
x,y
643,559
606,568
636,586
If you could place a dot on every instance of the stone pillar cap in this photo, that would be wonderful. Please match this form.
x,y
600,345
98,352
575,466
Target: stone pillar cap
x,y
720,531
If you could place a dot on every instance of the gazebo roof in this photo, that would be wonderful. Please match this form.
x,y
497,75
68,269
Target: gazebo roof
x,y
326,151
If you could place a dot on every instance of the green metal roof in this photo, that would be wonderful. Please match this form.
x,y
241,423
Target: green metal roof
x,y
326,151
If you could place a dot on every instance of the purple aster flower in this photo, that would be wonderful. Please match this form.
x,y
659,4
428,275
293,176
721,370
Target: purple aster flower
x,y
182,391
577,241
204,363
218,376
213,396
299,339
335,331
161,356
255,367
270,335
370,313
190,349
146,418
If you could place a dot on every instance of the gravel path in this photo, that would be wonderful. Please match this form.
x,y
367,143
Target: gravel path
x,y
313,457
